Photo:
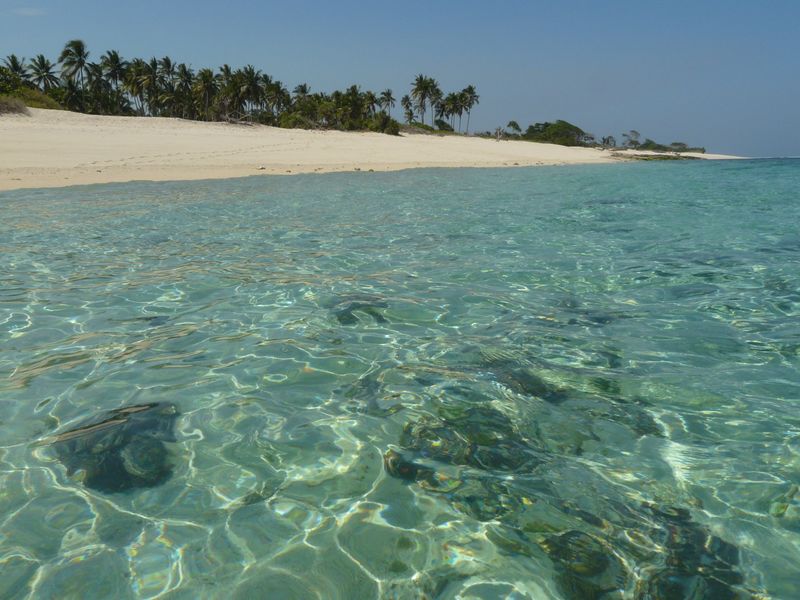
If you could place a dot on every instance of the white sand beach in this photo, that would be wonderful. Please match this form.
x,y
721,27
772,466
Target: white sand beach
x,y
50,148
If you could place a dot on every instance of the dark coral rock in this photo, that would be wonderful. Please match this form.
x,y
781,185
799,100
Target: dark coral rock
x,y
400,468
122,450
698,564
587,568
477,436
344,309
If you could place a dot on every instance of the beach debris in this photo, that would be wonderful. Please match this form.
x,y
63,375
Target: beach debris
x,y
122,449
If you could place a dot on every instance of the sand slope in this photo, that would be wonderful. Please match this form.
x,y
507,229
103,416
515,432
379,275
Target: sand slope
x,y
56,148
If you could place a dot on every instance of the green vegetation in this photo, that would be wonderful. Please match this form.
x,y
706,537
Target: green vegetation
x,y
650,157
566,134
163,88
560,132
426,94
9,105
649,144
14,87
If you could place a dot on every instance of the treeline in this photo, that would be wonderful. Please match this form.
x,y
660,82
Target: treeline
x,y
162,87
567,134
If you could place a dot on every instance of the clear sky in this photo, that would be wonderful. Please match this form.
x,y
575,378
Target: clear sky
x,y
719,73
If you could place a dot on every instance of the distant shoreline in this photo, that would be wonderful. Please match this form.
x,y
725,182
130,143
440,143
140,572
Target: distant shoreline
x,y
51,148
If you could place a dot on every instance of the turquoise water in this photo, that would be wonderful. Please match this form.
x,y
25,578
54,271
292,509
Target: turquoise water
x,y
567,382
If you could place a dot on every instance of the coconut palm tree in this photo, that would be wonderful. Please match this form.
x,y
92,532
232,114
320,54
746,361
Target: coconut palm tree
x,y
132,83
184,81
253,92
408,108
114,67
17,66
471,99
420,92
99,98
451,108
370,101
434,97
301,91
387,101
151,89
205,88
43,73
73,59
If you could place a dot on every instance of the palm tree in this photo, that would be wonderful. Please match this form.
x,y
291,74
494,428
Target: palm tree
x,y
98,87
43,73
73,96
471,99
386,101
166,85
132,83
205,86
461,105
16,66
434,96
150,82
114,67
185,80
420,90
370,101
451,108
73,60
166,71
408,108
253,92
301,91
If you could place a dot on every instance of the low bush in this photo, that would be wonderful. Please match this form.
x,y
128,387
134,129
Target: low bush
x,y
35,99
443,125
383,123
8,81
11,105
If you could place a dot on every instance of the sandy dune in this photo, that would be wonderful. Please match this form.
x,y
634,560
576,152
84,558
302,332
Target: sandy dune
x,y
58,148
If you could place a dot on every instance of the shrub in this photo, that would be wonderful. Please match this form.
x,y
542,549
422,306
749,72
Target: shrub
x,y
35,99
443,125
560,132
295,121
383,123
11,105
9,82
423,126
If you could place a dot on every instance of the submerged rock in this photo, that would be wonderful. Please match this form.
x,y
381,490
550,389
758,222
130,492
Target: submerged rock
x,y
121,450
478,436
587,568
698,564
344,309
397,466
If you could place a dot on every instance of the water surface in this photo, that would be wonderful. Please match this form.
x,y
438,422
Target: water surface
x,y
532,383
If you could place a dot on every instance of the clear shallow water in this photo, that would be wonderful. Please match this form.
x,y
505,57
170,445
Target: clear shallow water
x,y
585,378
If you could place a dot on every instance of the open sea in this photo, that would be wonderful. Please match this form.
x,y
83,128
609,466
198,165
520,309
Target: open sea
x,y
557,382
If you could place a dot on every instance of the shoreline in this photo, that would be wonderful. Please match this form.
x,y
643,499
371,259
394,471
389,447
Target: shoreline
x,y
51,148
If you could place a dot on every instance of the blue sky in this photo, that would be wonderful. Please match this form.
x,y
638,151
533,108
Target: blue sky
x,y
723,73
